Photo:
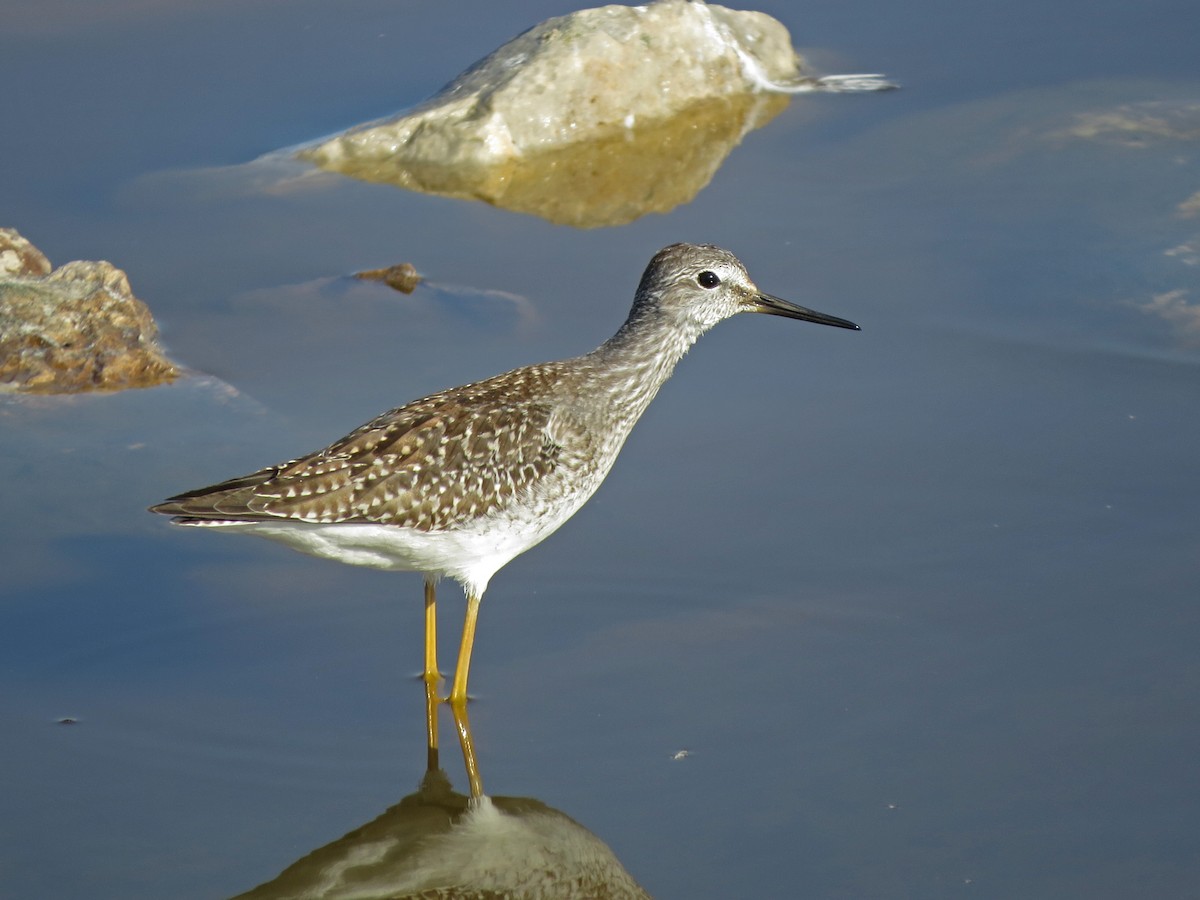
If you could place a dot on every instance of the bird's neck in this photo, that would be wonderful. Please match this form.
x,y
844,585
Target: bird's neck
x,y
634,362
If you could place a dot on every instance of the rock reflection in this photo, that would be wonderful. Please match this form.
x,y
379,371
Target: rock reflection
x,y
611,180
438,843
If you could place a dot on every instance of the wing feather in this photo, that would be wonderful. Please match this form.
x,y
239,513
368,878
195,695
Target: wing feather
x,y
430,465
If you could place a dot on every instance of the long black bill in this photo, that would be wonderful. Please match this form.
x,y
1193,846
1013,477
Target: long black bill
x,y
765,303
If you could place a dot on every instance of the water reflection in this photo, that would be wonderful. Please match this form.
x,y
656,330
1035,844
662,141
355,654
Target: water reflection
x,y
439,843
651,167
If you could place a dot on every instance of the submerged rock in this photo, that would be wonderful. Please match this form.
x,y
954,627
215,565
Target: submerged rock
x,y
78,328
593,118
402,277
1139,124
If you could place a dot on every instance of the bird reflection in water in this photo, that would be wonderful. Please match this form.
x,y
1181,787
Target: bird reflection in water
x,y
438,844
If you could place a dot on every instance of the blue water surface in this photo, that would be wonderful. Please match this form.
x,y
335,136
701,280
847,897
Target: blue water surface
x,y
921,604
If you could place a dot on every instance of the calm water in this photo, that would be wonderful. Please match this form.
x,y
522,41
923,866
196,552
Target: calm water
x,y
921,603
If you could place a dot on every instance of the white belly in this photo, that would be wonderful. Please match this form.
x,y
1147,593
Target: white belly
x,y
470,556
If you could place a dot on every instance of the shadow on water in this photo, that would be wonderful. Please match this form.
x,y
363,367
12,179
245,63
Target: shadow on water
x,y
439,843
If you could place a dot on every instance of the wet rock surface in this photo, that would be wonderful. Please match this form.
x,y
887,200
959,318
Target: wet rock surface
x,y
77,328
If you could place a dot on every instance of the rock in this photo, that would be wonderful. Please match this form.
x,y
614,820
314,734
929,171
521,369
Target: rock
x,y
79,328
593,118
19,257
403,277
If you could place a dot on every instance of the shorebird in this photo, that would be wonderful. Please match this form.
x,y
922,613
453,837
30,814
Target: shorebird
x,y
459,483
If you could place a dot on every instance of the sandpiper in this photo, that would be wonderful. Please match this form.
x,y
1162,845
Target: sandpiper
x,y
459,483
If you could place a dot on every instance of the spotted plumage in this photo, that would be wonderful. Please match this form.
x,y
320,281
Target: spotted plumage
x,y
433,465
460,482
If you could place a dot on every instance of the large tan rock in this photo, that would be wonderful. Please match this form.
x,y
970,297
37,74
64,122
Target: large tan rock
x,y
593,118
78,328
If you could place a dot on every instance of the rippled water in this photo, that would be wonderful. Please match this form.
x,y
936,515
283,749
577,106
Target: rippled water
x,y
919,603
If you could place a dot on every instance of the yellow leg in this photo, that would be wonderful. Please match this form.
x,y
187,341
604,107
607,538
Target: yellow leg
x,y
468,749
432,702
458,693
432,676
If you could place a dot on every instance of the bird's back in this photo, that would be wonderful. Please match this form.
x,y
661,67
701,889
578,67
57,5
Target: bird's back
x,y
436,464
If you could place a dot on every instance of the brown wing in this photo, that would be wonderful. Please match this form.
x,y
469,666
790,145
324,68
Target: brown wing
x,y
433,464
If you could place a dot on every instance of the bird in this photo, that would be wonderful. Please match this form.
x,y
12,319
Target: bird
x,y
459,483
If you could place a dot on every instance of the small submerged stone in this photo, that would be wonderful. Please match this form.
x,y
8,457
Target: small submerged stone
x,y
77,328
592,118
402,277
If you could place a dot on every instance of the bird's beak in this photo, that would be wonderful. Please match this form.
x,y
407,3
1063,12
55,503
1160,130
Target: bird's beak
x,y
765,303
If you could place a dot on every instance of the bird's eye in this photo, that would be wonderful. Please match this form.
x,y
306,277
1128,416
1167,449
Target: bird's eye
x,y
708,280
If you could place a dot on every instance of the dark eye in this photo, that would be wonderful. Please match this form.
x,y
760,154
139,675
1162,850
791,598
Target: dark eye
x,y
708,280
